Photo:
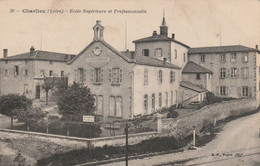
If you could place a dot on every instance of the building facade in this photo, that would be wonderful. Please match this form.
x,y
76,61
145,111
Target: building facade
x,y
160,72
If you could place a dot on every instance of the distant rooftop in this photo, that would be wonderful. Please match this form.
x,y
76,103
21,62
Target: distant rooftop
x,y
220,49
41,55
192,67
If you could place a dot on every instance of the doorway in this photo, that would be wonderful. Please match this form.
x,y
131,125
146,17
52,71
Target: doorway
x,y
38,92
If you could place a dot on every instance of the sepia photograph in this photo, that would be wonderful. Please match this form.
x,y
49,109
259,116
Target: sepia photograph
x,y
130,83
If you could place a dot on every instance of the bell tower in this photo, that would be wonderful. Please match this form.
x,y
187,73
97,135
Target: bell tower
x,y
163,27
98,31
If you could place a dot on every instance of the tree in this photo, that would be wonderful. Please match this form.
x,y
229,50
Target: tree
x,y
31,115
12,105
48,85
76,101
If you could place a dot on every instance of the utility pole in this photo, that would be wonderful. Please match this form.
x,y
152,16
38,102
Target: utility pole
x,y
126,144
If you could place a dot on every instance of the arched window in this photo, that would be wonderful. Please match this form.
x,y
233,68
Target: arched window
x,y
160,100
146,104
153,102
166,99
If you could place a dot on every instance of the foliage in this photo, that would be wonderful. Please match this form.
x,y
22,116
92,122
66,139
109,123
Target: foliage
x,y
171,113
211,98
12,104
32,115
58,127
76,101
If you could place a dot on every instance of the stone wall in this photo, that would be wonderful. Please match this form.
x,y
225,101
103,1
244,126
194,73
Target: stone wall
x,y
208,114
77,143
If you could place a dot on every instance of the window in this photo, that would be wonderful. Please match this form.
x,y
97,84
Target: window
x,y
112,103
245,57
222,72
153,102
245,72
175,53
172,76
223,90
116,106
50,62
160,100
233,72
6,73
222,57
198,76
245,91
62,73
26,72
80,74
158,52
146,104
97,76
160,76
26,89
115,76
233,57
171,97
202,58
145,52
145,76
95,103
50,73
119,106
16,70
184,57
99,105
166,99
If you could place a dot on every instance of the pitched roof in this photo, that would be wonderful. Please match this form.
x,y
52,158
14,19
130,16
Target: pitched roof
x,y
158,38
149,61
192,67
41,55
220,49
108,46
192,86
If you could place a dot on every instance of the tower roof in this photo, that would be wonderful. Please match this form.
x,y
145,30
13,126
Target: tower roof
x,y
163,22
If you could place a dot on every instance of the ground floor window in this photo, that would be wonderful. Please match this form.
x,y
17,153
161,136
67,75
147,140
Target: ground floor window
x,y
160,100
245,91
116,106
223,90
98,103
146,104
166,99
153,102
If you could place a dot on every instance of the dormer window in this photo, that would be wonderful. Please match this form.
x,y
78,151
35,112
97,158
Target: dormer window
x,y
145,52
158,52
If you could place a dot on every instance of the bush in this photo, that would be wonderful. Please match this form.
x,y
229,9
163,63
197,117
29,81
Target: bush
x,y
171,112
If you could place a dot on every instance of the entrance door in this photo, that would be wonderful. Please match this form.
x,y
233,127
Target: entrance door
x,y
38,92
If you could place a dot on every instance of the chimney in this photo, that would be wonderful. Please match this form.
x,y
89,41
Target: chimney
x,y
154,33
173,36
127,50
32,49
164,61
256,47
5,53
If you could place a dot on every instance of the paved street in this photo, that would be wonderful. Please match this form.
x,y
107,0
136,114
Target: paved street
x,y
238,144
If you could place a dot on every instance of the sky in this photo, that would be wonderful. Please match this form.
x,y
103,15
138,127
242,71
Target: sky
x,y
197,23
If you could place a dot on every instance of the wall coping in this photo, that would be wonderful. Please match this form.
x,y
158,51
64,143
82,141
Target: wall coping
x,y
74,138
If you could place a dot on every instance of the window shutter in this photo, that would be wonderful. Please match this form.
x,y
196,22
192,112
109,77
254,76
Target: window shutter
x,y
110,75
92,76
228,73
239,91
250,91
84,75
227,90
120,75
75,76
217,90
101,76
237,72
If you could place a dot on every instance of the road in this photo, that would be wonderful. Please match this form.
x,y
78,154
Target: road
x,y
237,144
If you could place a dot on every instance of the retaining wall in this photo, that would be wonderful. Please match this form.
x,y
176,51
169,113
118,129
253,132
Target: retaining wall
x,y
74,142
208,114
